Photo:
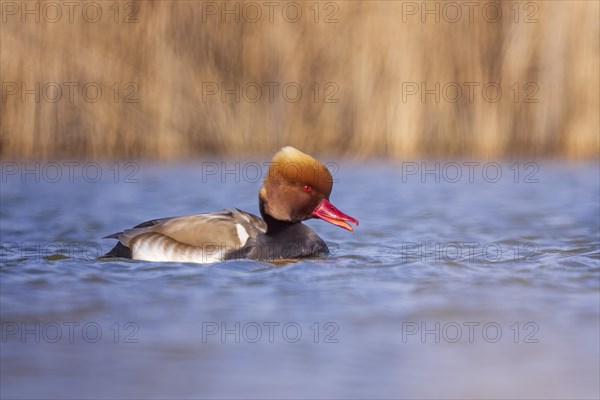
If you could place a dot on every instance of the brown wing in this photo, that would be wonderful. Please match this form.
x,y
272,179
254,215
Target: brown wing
x,y
193,237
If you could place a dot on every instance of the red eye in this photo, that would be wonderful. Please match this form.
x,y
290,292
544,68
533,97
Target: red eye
x,y
307,188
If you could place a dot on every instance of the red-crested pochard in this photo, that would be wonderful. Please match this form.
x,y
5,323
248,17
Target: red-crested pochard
x,y
296,188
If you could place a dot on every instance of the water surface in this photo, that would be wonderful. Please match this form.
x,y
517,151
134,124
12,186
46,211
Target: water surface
x,y
482,289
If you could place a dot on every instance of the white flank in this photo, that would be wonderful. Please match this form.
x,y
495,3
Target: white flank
x,y
163,249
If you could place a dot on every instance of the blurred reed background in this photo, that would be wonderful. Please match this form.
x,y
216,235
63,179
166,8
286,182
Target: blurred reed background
x,y
373,51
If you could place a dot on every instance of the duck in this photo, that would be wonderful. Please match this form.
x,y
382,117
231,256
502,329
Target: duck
x,y
296,188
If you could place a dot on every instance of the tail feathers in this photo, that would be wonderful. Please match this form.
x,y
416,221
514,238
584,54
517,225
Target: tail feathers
x,y
119,251
113,236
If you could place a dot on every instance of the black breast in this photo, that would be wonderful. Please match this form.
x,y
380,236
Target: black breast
x,y
292,240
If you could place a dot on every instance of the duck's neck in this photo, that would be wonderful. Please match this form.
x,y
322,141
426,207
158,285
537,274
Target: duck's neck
x,y
274,226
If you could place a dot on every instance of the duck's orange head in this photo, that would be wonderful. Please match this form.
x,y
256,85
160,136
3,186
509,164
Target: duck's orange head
x,y
297,187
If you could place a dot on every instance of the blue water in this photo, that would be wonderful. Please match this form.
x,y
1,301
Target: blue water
x,y
476,289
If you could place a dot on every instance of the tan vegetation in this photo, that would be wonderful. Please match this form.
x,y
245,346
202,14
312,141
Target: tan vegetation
x,y
369,61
